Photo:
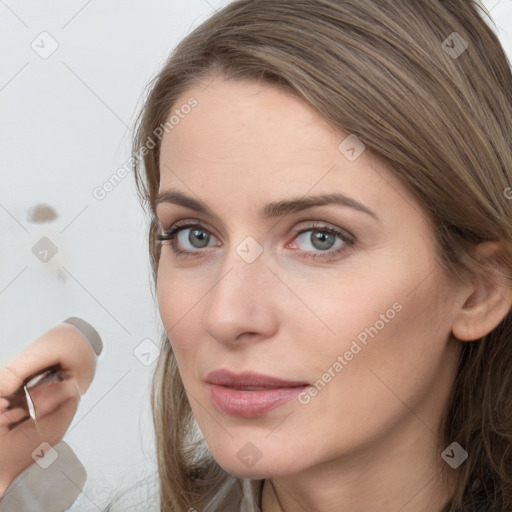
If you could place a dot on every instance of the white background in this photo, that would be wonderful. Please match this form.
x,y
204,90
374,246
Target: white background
x,y
65,128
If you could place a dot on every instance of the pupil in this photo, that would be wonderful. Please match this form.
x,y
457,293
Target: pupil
x,y
198,238
321,240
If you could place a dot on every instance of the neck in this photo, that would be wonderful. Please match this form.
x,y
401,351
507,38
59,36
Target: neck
x,y
406,475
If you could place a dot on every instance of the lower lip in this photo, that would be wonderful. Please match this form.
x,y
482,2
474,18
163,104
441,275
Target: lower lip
x,y
248,404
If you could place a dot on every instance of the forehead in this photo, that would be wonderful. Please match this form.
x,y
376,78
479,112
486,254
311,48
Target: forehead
x,y
241,127
240,118
259,140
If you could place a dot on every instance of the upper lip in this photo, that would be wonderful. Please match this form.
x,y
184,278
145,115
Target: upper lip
x,y
249,380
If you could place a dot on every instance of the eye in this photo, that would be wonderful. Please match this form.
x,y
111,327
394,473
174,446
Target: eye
x,y
197,238
321,242
188,238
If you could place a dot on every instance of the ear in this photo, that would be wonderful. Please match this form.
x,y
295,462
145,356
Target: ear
x,y
487,297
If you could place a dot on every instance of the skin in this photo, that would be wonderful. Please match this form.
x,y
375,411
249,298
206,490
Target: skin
x,y
55,403
368,440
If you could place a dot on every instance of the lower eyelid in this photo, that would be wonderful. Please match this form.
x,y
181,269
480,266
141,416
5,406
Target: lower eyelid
x,y
332,254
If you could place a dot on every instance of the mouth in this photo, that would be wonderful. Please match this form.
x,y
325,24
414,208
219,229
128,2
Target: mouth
x,y
249,394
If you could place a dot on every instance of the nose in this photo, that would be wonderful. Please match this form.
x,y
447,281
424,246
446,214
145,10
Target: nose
x,y
243,305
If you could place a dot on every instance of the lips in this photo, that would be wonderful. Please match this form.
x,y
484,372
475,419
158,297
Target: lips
x,y
250,394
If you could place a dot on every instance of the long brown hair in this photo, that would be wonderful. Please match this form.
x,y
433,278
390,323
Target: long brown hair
x,y
424,84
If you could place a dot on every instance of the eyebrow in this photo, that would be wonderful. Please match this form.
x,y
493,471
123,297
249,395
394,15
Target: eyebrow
x,y
274,209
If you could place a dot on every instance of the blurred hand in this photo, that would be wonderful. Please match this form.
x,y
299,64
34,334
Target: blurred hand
x,y
55,399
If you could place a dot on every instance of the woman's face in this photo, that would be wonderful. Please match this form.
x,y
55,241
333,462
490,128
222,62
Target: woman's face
x,y
304,259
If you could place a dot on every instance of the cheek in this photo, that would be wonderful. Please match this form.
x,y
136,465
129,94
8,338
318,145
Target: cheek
x,y
176,293
390,349
394,304
180,306
395,321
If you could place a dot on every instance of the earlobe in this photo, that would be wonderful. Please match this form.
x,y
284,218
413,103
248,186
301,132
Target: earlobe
x,y
489,299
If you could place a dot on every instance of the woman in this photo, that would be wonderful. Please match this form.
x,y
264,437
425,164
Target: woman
x,y
331,246
329,186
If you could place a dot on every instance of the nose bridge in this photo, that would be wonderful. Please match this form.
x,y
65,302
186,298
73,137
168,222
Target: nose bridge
x,y
240,283
241,301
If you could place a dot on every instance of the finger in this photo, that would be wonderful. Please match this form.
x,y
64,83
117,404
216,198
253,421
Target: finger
x,y
66,345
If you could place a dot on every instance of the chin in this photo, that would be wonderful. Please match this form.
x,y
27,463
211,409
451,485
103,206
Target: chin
x,y
245,473
249,462
258,472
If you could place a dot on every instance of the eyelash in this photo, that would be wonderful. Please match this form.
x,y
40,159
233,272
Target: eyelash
x,y
170,236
